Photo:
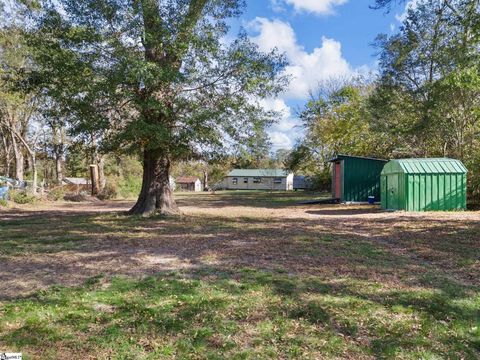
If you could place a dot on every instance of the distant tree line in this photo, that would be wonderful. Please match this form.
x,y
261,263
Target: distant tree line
x,y
144,78
425,101
144,91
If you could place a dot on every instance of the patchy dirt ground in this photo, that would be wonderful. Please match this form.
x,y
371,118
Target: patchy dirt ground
x,y
67,243
244,275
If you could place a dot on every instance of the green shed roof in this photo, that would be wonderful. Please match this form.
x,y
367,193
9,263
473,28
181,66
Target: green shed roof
x,y
343,157
257,173
425,166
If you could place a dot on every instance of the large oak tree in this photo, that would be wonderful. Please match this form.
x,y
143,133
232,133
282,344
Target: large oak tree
x,y
160,77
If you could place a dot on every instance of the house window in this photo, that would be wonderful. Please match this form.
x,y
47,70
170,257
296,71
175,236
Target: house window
x,y
245,180
257,180
234,181
277,180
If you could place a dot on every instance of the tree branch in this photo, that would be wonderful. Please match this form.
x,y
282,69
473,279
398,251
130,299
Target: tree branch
x,y
204,86
194,13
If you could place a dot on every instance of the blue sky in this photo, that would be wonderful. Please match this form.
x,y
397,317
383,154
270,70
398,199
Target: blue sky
x,y
322,39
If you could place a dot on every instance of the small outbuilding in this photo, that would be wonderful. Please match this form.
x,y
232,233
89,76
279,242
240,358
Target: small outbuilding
x,y
258,179
189,183
355,178
424,185
302,182
76,184
75,181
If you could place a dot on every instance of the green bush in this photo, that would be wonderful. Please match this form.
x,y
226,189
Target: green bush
x,y
322,181
124,173
3,203
22,197
56,194
130,186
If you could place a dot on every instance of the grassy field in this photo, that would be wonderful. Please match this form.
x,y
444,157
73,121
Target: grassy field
x,y
242,275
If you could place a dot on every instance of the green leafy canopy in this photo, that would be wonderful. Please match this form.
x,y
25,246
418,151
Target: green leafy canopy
x,y
155,75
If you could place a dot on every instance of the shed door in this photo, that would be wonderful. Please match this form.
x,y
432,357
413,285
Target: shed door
x,y
392,192
338,180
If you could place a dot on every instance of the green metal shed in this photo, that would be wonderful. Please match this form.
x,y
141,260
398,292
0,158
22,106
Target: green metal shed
x,y
355,178
424,185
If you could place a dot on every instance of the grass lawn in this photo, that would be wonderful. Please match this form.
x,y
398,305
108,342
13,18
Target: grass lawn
x,y
242,275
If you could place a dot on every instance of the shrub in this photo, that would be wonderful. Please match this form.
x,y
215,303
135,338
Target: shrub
x,y
321,181
22,197
121,187
56,194
110,191
3,203
130,186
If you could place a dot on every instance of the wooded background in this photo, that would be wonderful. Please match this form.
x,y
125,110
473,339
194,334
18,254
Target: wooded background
x,y
424,101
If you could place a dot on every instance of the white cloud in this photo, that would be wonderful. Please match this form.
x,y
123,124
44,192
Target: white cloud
x,y
410,5
323,63
280,140
287,129
319,7
277,5
274,33
306,69
284,111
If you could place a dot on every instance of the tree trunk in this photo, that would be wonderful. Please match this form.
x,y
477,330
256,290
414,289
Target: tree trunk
x,y
102,181
34,173
94,179
58,168
32,161
7,166
19,159
205,180
7,151
156,195
58,150
99,160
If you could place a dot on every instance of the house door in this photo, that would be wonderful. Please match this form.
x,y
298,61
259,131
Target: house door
x,y
338,180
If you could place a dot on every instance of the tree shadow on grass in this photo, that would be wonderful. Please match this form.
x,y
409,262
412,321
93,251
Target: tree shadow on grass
x,y
252,198
380,286
38,247
342,210
205,312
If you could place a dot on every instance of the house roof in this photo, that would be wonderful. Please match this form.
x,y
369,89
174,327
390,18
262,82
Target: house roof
x,y
343,156
187,180
257,173
75,181
425,166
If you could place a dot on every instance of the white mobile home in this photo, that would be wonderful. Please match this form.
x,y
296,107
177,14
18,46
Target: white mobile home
x,y
258,179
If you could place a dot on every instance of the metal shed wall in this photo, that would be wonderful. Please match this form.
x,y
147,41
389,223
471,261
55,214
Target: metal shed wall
x,y
360,177
424,185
